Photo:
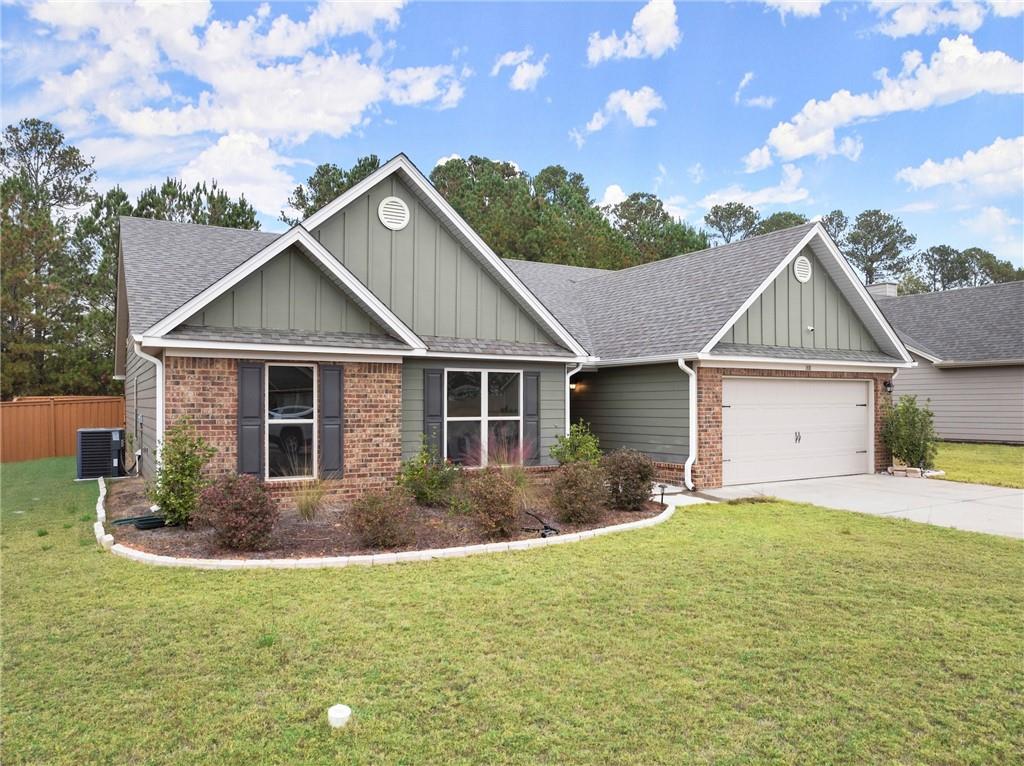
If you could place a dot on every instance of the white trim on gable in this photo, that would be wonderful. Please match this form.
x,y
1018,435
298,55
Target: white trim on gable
x,y
297,235
423,185
930,357
817,232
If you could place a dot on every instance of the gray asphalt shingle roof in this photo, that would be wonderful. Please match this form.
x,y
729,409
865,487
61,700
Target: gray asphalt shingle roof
x,y
166,264
800,354
667,307
497,347
972,324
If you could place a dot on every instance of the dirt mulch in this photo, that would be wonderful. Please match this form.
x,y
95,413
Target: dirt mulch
x,y
331,533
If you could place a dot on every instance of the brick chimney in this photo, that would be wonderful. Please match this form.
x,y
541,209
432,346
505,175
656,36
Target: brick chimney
x,y
884,290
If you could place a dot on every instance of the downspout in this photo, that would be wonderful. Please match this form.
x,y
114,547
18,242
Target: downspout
x,y
159,397
691,457
568,391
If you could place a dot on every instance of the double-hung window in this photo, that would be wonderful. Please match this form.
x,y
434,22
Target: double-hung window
x,y
483,417
291,421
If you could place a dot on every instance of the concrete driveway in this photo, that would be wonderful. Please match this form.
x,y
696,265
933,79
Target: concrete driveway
x,y
973,507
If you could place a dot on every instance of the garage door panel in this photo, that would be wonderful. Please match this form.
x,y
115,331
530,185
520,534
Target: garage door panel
x,y
782,429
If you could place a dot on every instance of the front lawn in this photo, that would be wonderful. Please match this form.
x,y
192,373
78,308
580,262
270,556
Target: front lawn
x,y
998,464
731,634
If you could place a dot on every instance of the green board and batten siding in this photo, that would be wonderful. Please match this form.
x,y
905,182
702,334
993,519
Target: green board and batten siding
x,y
422,272
782,313
644,407
552,398
288,293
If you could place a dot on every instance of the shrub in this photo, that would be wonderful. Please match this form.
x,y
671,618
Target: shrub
x,y
380,519
629,478
240,511
428,479
908,430
580,446
578,492
179,474
492,498
309,498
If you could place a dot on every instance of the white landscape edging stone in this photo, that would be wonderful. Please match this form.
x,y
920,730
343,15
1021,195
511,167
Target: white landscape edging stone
x,y
367,559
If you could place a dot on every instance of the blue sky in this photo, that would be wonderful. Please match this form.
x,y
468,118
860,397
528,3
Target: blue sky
x,y
782,104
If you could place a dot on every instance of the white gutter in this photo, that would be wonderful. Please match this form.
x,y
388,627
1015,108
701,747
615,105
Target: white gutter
x,y
691,457
568,391
159,397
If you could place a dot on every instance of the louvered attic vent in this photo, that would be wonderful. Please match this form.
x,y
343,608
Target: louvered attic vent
x,y
393,213
802,268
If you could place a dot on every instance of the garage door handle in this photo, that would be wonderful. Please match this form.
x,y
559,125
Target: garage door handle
x,y
797,437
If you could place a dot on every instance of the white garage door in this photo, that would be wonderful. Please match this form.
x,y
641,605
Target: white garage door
x,y
784,428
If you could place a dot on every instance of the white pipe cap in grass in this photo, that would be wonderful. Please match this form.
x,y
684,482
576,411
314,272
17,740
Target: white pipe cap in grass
x,y
338,716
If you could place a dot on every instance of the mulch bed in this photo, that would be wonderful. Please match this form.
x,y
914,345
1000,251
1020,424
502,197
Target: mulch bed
x,y
331,533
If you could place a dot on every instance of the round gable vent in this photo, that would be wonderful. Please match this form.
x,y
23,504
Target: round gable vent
x,y
393,213
802,268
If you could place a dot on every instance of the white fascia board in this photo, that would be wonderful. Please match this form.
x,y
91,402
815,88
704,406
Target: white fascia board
x,y
509,357
984,363
931,358
757,293
294,236
597,363
413,174
714,360
258,348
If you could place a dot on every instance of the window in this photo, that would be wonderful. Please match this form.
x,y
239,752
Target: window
x,y
483,417
291,421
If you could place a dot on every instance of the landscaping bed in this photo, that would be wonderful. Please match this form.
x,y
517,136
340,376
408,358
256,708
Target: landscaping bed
x,y
332,533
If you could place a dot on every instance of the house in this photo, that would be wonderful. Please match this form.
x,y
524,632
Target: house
x,y
383,321
969,349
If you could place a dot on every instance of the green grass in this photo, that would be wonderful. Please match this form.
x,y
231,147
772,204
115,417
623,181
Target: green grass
x,y
999,464
733,634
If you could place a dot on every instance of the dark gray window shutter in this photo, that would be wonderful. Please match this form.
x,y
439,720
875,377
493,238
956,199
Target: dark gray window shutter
x,y
531,417
332,420
433,411
250,418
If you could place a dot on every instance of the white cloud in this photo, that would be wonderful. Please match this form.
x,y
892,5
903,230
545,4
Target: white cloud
x,y
442,160
577,137
744,82
757,159
762,102
956,71
661,177
676,207
120,153
900,19
525,74
918,207
995,169
613,195
636,107
1006,8
786,192
1000,232
243,163
696,171
654,32
799,8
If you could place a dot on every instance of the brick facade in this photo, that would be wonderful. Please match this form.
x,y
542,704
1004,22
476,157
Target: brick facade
x,y
707,471
206,390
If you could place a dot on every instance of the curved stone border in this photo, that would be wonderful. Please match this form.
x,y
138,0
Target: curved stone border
x,y
375,559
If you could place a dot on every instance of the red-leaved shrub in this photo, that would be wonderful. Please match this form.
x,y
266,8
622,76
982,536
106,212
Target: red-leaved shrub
x,y
380,520
492,500
578,492
240,511
629,478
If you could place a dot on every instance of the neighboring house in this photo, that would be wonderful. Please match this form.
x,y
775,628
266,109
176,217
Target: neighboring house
x,y
383,321
969,346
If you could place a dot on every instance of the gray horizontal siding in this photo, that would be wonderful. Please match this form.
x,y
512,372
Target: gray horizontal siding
x,y
552,399
645,408
970,403
782,313
140,414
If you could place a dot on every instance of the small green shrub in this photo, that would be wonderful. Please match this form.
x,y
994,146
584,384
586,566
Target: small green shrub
x,y
492,498
580,446
578,492
240,511
428,479
380,519
908,430
629,476
179,475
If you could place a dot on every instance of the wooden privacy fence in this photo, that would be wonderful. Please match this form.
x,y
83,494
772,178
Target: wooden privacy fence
x,y
32,427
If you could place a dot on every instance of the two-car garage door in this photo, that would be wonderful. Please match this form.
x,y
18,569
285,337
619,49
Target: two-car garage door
x,y
788,428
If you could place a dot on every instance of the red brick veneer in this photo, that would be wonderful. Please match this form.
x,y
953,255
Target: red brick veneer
x,y
707,471
206,390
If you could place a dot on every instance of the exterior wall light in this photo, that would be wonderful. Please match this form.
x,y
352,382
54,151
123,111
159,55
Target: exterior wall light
x,y
572,386
887,385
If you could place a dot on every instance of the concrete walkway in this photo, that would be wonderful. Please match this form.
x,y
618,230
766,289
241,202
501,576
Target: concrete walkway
x,y
972,507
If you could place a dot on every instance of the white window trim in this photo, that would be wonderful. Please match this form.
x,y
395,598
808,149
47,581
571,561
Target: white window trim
x,y
290,421
483,418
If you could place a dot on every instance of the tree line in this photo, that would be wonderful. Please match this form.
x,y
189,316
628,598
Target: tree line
x,y
58,273
878,245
